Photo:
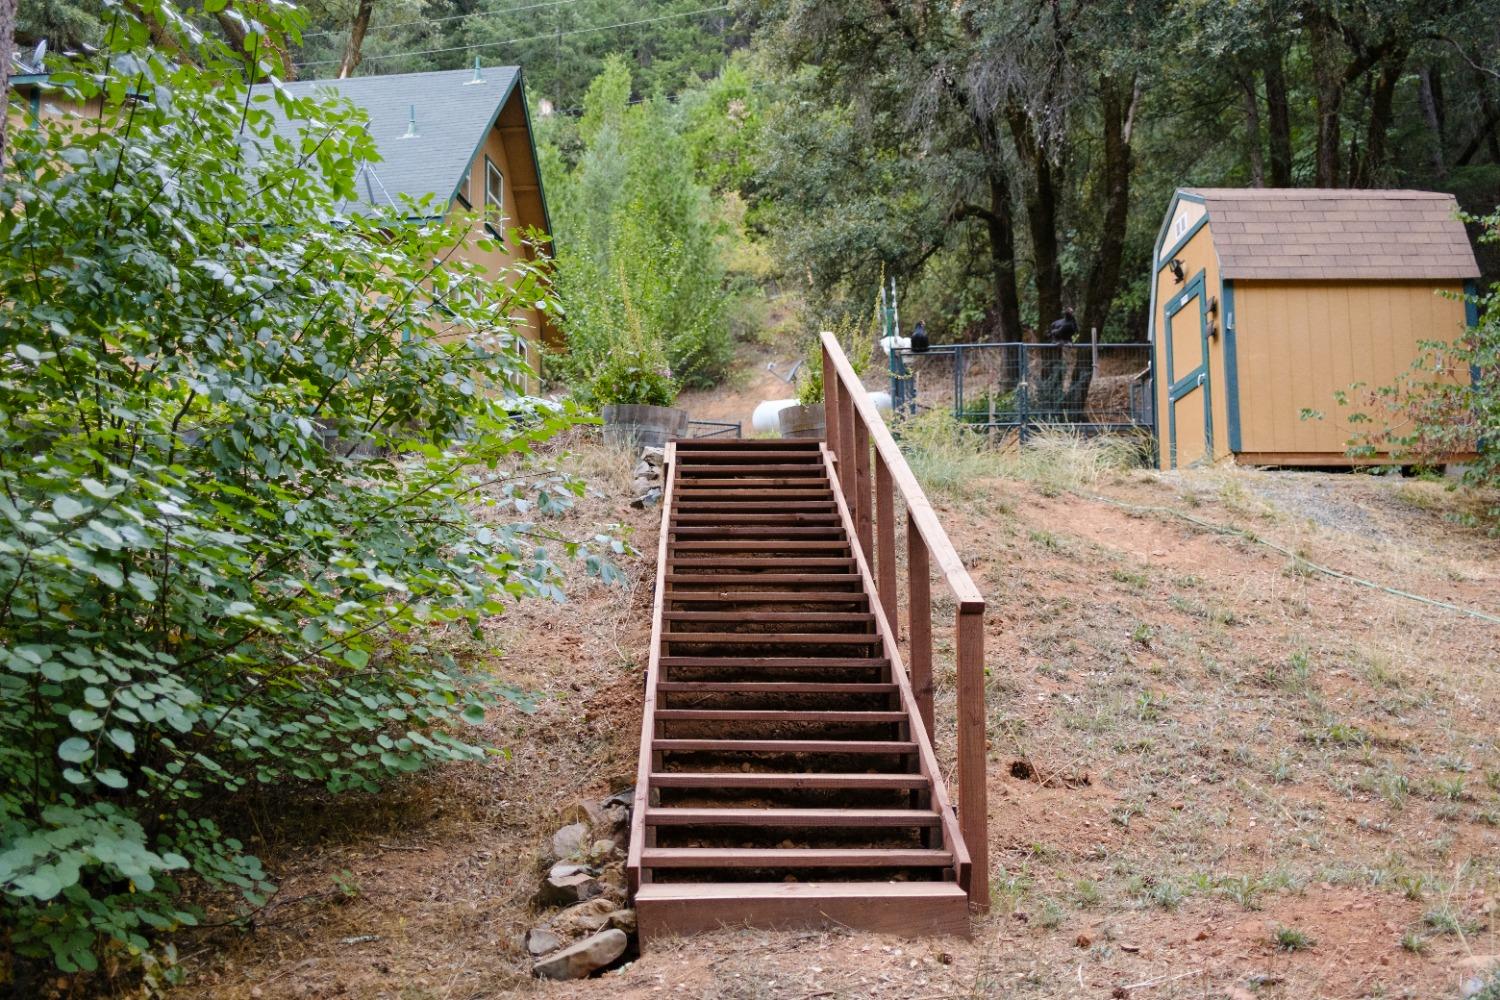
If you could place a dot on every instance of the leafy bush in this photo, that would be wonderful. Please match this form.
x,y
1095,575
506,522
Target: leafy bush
x,y
633,376
240,425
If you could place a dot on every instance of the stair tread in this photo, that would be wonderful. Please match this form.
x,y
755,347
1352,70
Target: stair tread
x,y
784,779
655,891
769,597
773,638
810,662
774,687
759,617
787,746
751,562
778,715
783,857
693,816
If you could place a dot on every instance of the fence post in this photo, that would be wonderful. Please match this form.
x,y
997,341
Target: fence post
x,y
919,598
885,543
1094,341
973,792
1023,390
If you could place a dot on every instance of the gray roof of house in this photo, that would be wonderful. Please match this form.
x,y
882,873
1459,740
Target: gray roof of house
x,y
1322,233
453,115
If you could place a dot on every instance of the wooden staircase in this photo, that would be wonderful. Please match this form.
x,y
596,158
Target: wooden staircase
x,y
786,775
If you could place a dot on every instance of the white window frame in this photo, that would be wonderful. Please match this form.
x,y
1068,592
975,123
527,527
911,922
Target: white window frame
x,y
494,197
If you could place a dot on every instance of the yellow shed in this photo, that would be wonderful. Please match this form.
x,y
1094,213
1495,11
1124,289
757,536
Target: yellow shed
x,y
1266,302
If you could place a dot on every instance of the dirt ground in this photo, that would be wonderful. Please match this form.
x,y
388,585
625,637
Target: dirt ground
x,y
1215,771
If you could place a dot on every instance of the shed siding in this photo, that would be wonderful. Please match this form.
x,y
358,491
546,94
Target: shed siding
x,y
1197,254
1300,342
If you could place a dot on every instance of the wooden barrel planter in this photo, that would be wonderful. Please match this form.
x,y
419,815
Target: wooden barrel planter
x,y
802,422
641,426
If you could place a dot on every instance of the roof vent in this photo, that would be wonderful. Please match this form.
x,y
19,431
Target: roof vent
x,y
411,124
478,73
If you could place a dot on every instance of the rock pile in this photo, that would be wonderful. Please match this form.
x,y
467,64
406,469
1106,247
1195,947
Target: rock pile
x,y
648,477
585,886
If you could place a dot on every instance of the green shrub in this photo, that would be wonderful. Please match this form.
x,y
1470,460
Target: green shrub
x,y
238,467
633,376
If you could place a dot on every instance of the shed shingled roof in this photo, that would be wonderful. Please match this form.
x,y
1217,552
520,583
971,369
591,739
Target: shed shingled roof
x,y
1319,233
453,115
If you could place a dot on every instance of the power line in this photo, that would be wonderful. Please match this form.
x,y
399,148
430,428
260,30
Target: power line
x,y
518,41
441,20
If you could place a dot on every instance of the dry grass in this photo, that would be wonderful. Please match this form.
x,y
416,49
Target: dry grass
x,y
1220,745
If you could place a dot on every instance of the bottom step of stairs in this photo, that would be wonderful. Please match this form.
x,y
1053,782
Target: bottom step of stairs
x,y
908,909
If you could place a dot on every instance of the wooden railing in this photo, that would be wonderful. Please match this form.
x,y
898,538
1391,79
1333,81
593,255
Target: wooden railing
x,y
853,427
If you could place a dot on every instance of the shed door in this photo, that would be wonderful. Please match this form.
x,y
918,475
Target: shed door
x,y
1190,431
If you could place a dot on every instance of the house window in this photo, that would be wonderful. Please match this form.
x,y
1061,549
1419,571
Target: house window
x,y
494,196
462,194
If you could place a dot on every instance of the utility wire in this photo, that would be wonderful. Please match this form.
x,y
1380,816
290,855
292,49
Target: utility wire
x,y
440,20
1250,536
518,41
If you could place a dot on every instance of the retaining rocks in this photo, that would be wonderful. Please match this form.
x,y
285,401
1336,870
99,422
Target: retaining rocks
x,y
585,885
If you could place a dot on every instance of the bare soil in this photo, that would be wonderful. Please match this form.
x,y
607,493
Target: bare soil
x,y
1212,768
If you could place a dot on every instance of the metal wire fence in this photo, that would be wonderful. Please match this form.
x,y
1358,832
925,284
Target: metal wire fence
x,y
1018,388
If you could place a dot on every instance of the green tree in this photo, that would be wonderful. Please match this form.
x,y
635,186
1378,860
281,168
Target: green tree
x,y
638,245
242,429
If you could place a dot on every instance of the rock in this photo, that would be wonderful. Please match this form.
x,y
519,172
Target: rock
x,y
645,471
624,797
540,940
585,918
584,958
568,884
654,456
605,850
570,841
640,485
648,498
1474,976
623,920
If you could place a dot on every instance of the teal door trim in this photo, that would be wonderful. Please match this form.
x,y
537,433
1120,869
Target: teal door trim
x,y
1181,385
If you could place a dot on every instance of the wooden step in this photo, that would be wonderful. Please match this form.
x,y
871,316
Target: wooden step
x,y
760,617
767,597
792,662
756,545
771,638
841,818
693,471
696,455
730,506
750,562
740,579
770,517
774,687
793,857
773,715
783,780
909,909
902,747
800,484
750,445
719,492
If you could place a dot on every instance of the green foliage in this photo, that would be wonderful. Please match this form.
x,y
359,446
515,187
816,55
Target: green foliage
x,y
633,374
638,250
243,427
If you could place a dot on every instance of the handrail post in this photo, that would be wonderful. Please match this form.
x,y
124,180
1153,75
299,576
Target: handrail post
x,y
830,403
847,420
862,485
973,792
919,600
885,543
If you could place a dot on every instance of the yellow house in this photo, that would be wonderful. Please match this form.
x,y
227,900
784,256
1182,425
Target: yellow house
x,y
1268,302
462,137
